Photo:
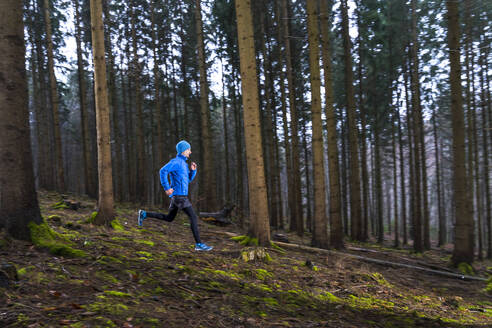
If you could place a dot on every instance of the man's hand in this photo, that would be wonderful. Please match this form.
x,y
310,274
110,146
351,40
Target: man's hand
x,y
169,192
193,166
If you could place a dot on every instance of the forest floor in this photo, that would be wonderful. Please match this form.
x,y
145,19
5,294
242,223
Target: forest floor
x,y
152,277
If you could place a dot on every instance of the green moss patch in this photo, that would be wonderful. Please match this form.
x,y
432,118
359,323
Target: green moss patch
x,y
246,240
116,293
61,205
465,268
116,224
145,242
45,237
106,277
144,253
105,308
91,218
263,274
488,288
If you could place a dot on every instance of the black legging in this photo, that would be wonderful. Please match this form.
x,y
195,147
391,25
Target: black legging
x,y
172,214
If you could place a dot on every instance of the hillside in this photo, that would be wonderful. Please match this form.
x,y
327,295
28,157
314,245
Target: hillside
x,y
152,277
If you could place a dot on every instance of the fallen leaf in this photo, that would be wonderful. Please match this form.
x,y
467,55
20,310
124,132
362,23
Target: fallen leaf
x,y
48,309
127,325
76,306
54,293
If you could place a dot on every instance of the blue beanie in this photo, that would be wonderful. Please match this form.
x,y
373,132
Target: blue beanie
x,y
182,146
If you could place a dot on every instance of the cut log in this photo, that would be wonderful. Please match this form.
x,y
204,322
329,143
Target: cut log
x,y
220,218
368,259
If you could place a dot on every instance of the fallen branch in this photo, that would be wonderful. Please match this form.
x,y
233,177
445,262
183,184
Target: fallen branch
x,y
421,263
367,259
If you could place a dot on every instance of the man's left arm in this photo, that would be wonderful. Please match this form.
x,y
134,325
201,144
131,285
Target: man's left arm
x,y
192,171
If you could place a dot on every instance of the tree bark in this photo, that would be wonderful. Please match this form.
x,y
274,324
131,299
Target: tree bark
x,y
268,123
136,70
402,181
296,203
355,206
114,108
285,126
336,225
395,179
475,172
320,235
363,155
485,146
60,176
463,250
442,236
158,147
418,242
208,171
343,178
18,200
90,188
258,204
105,213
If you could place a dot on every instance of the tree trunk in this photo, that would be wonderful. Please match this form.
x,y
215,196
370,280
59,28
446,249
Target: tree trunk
x,y
158,147
485,147
425,194
19,204
90,188
296,204
140,138
402,181
225,125
344,180
336,226
113,105
379,184
355,206
395,174
258,204
363,155
285,126
268,123
54,101
418,242
410,153
474,174
239,151
105,212
276,189
463,249
320,235
304,145
208,171
442,240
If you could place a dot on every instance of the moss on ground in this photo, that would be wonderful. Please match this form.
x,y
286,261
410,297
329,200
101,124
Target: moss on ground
x,y
45,237
116,293
116,224
145,242
465,268
60,205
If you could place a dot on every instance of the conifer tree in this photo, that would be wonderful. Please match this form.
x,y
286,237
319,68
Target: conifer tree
x,y
258,204
105,212
18,200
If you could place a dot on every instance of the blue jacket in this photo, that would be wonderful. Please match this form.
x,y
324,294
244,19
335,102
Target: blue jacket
x,y
180,175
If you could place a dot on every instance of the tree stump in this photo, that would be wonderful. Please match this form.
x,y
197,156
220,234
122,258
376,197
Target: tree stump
x,y
220,218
